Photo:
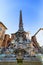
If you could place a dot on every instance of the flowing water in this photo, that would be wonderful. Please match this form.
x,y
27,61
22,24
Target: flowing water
x,y
11,60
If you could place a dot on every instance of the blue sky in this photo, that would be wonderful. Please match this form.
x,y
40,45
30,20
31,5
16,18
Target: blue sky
x,y
32,13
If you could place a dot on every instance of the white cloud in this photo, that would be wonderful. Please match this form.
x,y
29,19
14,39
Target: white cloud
x,y
39,37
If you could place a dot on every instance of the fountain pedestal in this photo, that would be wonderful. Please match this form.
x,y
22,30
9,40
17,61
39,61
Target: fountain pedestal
x,y
19,59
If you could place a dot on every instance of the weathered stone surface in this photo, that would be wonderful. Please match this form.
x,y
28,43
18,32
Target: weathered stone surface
x,y
24,63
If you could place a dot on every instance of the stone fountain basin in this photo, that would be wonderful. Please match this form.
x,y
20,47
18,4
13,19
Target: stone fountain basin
x,y
7,55
12,57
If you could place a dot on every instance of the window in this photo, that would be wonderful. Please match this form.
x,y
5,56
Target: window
x,y
0,28
3,32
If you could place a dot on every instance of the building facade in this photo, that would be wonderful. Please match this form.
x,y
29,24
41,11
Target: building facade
x,y
2,32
